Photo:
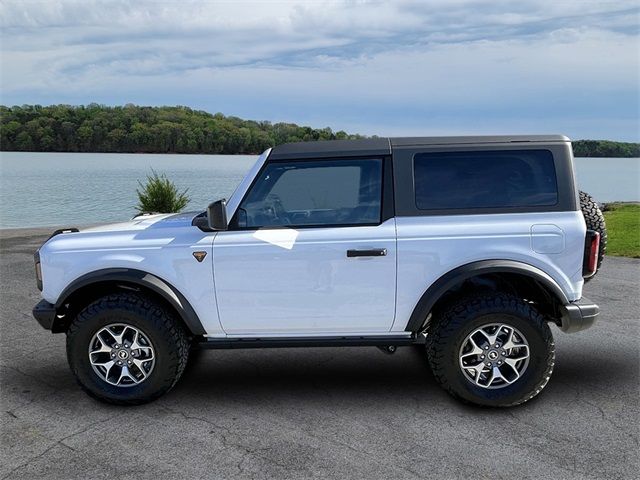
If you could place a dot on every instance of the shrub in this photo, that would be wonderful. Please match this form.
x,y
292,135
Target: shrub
x,y
160,195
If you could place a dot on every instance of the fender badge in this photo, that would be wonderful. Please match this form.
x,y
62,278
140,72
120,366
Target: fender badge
x,y
199,256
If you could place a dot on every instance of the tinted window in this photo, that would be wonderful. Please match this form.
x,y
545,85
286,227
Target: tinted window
x,y
485,179
328,192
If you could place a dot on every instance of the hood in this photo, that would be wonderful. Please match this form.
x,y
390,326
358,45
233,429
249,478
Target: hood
x,y
140,232
146,222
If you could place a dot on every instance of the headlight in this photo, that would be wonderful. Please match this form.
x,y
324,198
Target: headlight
x,y
36,258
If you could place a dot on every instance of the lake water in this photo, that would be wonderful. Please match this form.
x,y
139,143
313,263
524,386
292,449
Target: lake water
x,y
67,189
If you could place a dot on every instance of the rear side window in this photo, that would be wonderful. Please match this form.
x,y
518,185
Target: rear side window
x,y
485,179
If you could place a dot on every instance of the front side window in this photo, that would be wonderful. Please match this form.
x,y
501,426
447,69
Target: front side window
x,y
485,179
314,193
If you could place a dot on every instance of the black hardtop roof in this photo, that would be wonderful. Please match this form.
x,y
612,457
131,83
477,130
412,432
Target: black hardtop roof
x,y
383,145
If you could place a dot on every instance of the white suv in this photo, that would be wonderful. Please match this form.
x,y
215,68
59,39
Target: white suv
x,y
471,245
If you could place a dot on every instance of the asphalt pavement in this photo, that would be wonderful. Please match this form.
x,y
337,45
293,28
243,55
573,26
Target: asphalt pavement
x,y
319,412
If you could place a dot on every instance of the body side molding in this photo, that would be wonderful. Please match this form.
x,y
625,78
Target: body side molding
x,y
143,279
464,272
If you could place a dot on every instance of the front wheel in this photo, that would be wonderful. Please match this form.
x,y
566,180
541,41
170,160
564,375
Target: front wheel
x,y
126,349
492,350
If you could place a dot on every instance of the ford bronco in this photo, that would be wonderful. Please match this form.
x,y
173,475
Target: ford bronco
x,y
467,247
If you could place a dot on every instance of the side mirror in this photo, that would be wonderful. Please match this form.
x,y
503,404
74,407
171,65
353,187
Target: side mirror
x,y
217,215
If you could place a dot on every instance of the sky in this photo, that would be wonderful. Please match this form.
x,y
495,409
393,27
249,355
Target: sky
x,y
442,67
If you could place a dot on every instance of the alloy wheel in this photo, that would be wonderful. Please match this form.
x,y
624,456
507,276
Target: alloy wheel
x,y
121,355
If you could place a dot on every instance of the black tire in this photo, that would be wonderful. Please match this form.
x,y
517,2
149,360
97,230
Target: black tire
x,y
168,338
594,219
450,330
196,354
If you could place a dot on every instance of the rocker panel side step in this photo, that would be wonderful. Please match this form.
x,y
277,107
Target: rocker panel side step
x,y
289,342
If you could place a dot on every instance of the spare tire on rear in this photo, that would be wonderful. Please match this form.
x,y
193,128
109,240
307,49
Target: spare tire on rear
x,y
595,221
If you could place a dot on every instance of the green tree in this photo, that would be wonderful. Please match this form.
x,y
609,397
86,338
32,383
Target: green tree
x,y
131,128
24,142
84,136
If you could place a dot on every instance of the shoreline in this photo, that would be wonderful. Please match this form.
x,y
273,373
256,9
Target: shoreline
x,y
7,233
172,153
590,157
37,230
15,232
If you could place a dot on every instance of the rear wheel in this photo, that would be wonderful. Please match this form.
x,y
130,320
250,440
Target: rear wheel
x,y
594,219
126,349
493,350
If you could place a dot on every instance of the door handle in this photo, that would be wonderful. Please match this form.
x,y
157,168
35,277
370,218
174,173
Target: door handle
x,y
374,252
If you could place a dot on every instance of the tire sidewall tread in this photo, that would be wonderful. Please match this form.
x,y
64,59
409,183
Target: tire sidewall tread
x,y
451,328
167,336
594,219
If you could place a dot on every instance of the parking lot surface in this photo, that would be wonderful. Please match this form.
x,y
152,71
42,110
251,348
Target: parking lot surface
x,y
319,413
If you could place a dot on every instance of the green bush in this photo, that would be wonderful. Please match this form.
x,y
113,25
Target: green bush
x,y
160,195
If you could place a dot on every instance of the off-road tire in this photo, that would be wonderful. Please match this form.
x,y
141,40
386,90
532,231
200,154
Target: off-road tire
x,y
594,219
169,340
196,354
450,329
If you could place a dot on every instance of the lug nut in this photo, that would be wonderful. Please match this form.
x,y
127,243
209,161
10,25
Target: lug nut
x,y
499,362
117,346
113,355
119,362
129,362
497,345
482,357
488,364
504,352
486,348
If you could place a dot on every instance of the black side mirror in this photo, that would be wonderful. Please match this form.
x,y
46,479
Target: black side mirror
x,y
217,215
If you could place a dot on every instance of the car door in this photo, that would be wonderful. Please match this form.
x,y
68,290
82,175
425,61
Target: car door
x,y
311,250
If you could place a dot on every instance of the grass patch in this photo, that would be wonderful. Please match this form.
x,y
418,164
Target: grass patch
x,y
623,228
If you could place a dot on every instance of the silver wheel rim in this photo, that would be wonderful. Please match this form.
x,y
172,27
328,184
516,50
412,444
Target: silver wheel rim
x,y
122,355
494,355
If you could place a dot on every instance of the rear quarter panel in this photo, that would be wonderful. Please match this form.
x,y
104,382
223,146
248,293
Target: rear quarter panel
x,y
430,246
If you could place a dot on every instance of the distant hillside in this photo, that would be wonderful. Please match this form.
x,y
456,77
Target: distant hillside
x,y
605,148
134,129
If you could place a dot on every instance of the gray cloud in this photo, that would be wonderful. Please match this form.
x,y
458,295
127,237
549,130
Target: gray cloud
x,y
322,59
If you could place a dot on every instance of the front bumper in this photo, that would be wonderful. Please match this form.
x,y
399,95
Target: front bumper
x,y
579,315
45,313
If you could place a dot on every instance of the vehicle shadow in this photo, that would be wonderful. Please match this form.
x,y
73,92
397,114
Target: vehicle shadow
x,y
335,371
309,377
349,374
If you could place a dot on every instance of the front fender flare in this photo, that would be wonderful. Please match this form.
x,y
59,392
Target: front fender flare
x,y
144,279
464,272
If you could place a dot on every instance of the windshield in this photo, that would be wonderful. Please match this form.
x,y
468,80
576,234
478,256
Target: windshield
x,y
238,193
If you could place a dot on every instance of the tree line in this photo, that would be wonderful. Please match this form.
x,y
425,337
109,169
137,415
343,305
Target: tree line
x,y
605,148
136,129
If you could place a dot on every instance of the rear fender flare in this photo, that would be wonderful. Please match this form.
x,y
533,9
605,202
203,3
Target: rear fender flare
x,y
464,272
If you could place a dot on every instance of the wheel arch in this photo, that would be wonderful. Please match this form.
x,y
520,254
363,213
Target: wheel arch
x,y
91,286
526,276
